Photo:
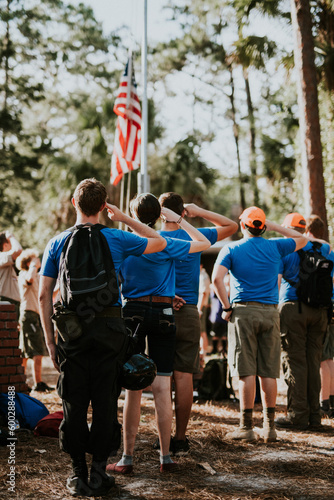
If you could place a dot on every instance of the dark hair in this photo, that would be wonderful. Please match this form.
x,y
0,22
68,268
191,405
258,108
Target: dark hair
x,y
146,207
89,196
315,225
256,231
3,240
173,201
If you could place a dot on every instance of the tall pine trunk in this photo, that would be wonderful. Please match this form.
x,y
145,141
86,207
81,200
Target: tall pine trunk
x,y
309,124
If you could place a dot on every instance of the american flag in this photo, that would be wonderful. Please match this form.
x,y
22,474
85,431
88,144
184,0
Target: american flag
x,y
126,154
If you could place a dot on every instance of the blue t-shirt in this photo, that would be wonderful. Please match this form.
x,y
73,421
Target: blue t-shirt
x,y
289,268
187,270
153,274
254,265
121,244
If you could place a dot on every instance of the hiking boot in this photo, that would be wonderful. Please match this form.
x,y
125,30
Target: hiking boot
x,y
120,469
242,434
102,487
269,434
179,447
42,387
77,486
172,467
286,423
100,483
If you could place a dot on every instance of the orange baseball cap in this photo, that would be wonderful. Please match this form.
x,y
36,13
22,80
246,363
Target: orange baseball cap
x,y
253,217
294,220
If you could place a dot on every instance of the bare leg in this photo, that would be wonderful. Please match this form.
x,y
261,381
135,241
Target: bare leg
x,y
268,391
325,375
37,369
183,402
247,392
24,363
163,411
131,417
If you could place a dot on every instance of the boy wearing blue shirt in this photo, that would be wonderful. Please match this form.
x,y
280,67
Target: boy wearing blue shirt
x,y
253,329
188,327
303,329
89,365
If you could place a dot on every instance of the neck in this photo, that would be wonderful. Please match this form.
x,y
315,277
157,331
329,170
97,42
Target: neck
x,y
83,219
169,226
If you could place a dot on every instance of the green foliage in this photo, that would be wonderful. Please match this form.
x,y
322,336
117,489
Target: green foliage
x,y
182,170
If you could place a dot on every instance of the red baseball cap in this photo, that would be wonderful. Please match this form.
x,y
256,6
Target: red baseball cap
x,y
294,220
253,217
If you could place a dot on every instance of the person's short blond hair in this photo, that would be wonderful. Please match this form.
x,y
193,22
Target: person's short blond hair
x,y
23,261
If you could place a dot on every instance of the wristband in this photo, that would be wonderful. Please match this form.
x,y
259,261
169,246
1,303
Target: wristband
x,y
179,221
228,309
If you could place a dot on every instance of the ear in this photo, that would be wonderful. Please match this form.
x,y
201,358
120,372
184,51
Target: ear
x,y
73,202
184,212
103,206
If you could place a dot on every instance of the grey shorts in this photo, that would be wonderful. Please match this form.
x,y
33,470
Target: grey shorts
x,y
188,333
254,340
32,341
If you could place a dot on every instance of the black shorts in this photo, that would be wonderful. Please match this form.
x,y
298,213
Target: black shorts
x,y
154,323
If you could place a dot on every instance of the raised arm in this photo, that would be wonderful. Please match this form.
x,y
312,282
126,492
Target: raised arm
x,y
155,242
34,265
199,243
16,248
46,287
298,238
225,227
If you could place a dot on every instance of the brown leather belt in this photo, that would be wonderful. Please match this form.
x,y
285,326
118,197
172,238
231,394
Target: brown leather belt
x,y
110,312
153,298
252,303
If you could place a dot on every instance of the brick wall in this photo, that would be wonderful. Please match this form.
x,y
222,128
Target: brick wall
x,y
11,370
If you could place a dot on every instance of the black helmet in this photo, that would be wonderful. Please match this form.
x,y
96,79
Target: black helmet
x,y
138,372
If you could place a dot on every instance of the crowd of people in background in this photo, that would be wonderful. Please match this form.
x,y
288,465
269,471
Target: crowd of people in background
x,y
166,300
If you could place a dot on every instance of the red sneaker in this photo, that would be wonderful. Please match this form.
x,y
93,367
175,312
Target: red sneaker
x,y
119,469
172,467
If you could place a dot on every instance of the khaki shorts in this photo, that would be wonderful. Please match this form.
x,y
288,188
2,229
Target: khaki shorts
x,y
32,341
254,340
188,333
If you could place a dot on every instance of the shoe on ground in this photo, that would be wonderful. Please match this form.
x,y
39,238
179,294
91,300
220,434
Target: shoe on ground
x,y
180,447
42,387
119,469
316,426
77,486
102,487
269,435
246,435
172,467
330,414
286,423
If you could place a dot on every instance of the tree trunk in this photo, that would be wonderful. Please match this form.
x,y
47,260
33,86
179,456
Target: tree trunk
x,y
236,140
312,166
252,133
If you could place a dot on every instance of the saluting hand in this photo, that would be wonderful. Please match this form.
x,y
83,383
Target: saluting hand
x,y
191,210
114,213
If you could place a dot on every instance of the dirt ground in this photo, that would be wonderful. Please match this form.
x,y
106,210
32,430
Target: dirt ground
x,y
299,466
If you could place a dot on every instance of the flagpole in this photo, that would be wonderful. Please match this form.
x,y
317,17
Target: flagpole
x,y
143,163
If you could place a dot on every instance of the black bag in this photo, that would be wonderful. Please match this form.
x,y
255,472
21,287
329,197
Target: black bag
x,y
213,384
315,286
87,277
